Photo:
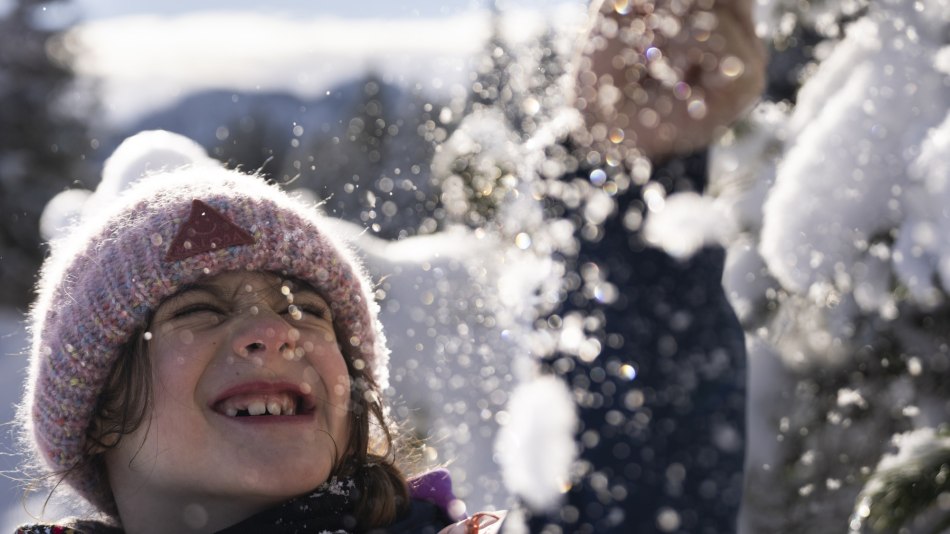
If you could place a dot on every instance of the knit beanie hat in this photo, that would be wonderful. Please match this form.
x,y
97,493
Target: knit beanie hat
x,y
176,225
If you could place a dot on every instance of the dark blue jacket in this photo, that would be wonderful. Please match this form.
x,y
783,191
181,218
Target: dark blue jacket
x,y
665,448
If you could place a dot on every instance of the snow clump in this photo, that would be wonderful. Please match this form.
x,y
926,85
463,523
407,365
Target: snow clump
x,y
536,447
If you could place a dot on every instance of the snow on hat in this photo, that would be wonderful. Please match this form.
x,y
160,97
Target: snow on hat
x,y
103,278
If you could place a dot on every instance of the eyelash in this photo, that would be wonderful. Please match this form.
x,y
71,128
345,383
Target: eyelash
x,y
196,308
320,312
317,311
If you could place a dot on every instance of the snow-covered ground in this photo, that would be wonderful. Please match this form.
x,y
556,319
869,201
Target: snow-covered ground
x,y
14,509
13,346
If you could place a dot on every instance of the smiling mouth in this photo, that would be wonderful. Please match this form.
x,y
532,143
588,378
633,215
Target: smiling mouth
x,y
270,403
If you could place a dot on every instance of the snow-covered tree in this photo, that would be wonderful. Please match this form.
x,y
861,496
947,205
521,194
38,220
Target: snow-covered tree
x,y
490,84
515,94
42,138
838,270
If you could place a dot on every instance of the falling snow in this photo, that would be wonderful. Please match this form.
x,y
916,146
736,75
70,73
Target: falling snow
x,y
536,446
833,212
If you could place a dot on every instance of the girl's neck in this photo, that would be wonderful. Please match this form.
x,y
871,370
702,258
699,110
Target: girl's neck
x,y
147,513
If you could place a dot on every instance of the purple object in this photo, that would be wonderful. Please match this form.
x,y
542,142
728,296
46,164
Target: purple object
x,y
436,487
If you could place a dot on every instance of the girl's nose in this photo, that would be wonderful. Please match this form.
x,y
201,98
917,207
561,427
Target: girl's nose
x,y
264,335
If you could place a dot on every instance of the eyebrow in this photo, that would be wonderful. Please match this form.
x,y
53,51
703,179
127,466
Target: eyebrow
x,y
211,289
300,286
312,297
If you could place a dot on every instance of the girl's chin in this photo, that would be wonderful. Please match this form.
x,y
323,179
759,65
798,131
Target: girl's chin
x,y
278,482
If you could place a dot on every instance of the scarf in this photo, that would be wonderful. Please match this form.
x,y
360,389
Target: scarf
x,y
328,509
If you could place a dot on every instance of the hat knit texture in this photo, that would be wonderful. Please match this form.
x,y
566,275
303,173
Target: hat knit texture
x,y
102,281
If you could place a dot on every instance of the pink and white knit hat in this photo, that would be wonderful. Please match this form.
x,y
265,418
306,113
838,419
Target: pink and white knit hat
x,y
103,279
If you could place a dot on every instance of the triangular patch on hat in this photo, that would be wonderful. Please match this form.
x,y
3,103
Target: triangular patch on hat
x,y
205,230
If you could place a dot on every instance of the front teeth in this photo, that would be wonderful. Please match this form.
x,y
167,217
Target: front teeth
x,y
256,408
268,405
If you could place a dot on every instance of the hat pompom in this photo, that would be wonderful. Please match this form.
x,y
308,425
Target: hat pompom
x,y
147,153
62,212
144,154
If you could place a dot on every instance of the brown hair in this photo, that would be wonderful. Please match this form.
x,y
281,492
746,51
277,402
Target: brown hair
x,y
370,456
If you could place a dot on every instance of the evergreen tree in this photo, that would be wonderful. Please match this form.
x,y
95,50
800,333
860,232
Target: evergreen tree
x,y
491,83
349,163
843,367
511,96
42,144
249,143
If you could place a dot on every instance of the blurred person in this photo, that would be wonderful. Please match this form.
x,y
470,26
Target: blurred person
x,y
662,406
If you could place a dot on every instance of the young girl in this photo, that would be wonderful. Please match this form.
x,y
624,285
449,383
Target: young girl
x,y
206,357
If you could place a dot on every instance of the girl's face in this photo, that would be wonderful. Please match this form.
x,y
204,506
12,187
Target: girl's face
x,y
250,396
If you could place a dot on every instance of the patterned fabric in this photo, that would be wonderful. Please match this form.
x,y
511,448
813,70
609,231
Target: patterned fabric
x,y
45,529
101,282
326,510
71,527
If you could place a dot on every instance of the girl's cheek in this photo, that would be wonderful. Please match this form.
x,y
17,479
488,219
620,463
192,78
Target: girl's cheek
x,y
342,388
322,341
185,336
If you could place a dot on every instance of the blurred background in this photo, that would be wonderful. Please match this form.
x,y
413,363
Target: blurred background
x,y
416,120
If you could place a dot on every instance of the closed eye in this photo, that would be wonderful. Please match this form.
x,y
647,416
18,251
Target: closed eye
x,y
195,300
196,308
309,310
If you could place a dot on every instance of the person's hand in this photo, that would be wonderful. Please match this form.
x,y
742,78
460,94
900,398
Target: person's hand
x,y
480,523
665,76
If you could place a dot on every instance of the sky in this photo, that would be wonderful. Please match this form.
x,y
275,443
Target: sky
x,y
143,56
86,10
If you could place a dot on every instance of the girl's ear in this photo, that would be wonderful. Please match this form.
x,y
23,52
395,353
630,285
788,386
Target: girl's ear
x,y
98,440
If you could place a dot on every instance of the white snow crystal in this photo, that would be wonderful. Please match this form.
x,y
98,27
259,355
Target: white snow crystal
x,y
851,397
686,223
536,447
